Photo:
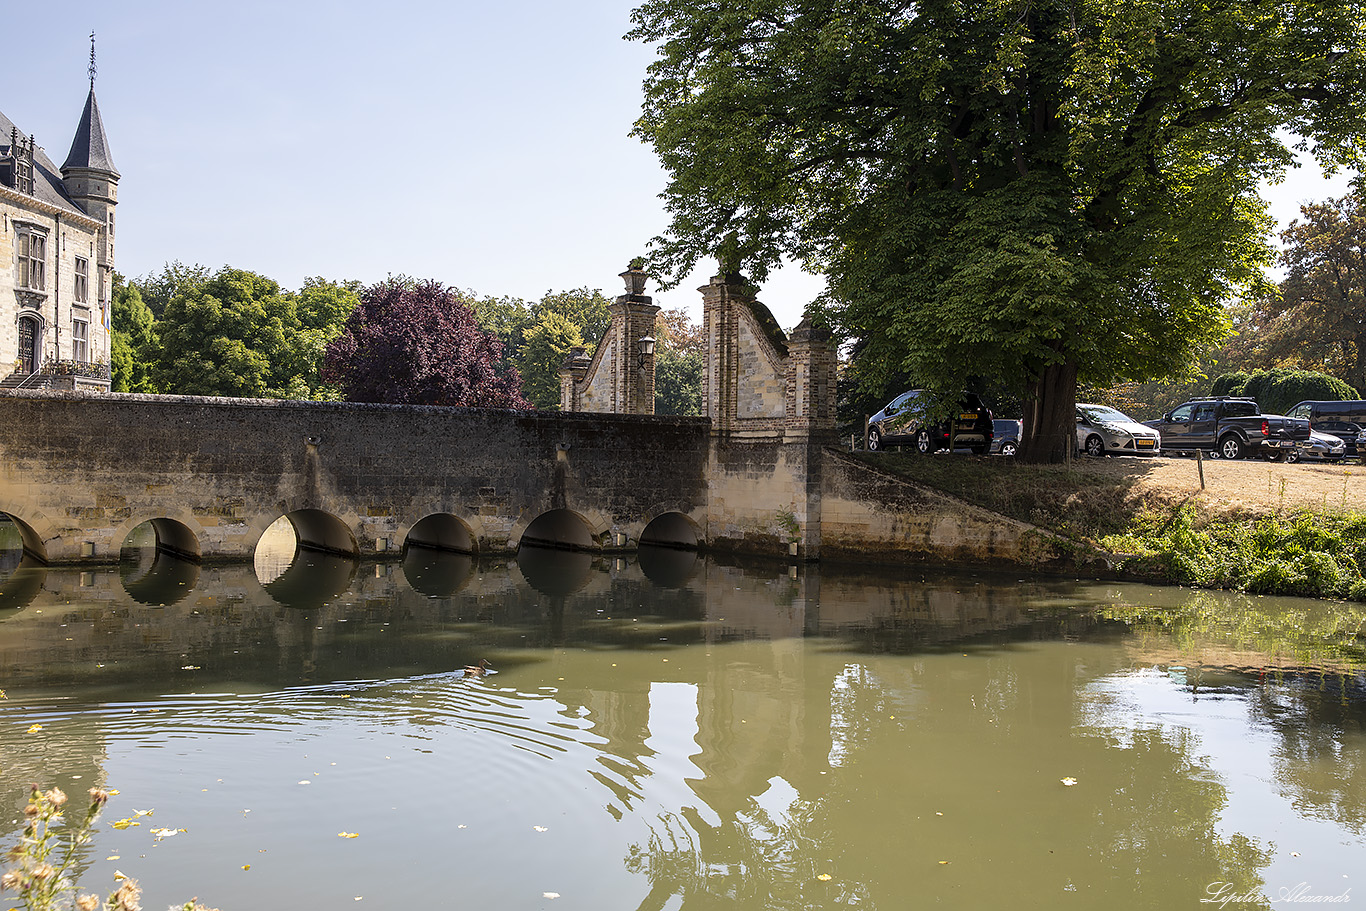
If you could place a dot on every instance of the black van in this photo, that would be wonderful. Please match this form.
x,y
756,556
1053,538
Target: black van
x,y
1355,412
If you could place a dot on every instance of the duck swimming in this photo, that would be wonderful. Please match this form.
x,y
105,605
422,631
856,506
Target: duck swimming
x,y
478,670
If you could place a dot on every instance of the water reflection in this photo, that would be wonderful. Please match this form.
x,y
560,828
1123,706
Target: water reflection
x,y
552,571
670,567
436,573
718,736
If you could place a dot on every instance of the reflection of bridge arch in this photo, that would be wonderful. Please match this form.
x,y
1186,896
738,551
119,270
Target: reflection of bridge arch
x,y
443,531
671,528
563,529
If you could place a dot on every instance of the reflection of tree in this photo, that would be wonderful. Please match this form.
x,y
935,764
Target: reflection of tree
x,y
749,860
1320,769
943,781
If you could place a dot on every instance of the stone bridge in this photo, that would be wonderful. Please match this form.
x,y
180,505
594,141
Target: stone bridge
x,y
759,473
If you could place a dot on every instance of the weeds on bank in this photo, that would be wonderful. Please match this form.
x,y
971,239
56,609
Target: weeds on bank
x,y
43,861
1314,554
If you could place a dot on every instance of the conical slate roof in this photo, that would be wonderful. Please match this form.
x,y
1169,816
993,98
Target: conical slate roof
x,y
90,148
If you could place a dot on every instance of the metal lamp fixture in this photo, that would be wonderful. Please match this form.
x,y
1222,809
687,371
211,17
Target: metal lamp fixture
x,y
645,346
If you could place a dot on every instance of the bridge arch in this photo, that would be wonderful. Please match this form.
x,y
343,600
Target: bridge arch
x,y
318,529
443,531
562,529
672,528
30,540
176,532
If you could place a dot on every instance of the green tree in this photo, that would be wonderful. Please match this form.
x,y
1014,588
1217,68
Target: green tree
x,y
233,335
544,346
175,278
322,308
1281,388
679,351
1041,192
1316,320
585,308
133,345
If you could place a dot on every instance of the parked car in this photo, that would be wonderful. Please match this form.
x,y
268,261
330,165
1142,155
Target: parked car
x,y
1102,430
903,422
1315,412
1320,447
1230,427
1006,435
1353,434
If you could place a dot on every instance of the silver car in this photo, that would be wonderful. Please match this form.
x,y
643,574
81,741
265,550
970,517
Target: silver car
x,y
1322,447
1101,430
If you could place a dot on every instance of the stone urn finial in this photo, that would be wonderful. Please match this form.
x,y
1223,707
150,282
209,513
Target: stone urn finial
x,y
635,276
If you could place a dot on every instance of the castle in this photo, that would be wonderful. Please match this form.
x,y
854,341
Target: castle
x,y
57,257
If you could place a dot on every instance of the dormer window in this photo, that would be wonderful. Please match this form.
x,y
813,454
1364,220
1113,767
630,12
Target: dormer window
x,y
19,163
31,251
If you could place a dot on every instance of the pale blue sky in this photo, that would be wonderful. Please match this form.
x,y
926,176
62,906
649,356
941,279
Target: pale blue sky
x,y
483,145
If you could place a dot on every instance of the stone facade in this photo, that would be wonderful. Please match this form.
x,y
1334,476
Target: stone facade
x,y
56,258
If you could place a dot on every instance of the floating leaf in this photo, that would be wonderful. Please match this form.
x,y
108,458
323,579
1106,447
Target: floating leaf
x,y
125,823
540,828
348,835
305,781
824,877
167,833
137,812
246,866
550,895
34,728
1069,781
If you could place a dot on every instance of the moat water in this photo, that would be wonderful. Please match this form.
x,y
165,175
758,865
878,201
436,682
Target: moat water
x,y
671,732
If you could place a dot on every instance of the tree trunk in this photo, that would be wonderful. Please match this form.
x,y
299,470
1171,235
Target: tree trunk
x,y
1050,418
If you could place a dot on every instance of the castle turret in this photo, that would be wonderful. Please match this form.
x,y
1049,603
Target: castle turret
x,y
92,182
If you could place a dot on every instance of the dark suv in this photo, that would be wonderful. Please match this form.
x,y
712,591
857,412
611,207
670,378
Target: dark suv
x,y
903,422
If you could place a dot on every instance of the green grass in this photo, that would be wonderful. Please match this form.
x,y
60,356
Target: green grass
x,y
1317,553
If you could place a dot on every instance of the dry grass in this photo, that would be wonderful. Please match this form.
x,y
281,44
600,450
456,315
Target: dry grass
x,y
1094,497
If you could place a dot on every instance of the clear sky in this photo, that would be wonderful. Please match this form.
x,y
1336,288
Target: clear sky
x,y
484,145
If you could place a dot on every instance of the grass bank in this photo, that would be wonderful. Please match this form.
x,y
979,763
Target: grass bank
x,y
1159,525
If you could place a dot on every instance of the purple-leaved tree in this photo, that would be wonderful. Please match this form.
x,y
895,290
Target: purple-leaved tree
x,y
417,343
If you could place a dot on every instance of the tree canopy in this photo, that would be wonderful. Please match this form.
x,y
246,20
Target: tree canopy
x,y
413,342
1038,192
1317,318
237,333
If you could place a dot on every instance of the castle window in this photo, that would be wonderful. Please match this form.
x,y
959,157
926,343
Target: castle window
x,y
32,265
80,340
82,280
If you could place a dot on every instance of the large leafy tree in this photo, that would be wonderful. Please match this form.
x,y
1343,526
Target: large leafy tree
x,y
413,342
1318,318
235,334
1037,191
543,350
133,345
678,364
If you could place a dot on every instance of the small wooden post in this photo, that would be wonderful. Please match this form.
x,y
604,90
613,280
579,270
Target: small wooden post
x,y
1200,466
865,431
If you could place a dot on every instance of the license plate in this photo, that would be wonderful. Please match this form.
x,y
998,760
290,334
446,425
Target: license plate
x,y
1145,444
968,417
1286,444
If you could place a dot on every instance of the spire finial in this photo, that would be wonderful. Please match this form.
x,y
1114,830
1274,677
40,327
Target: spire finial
x,y
92,61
